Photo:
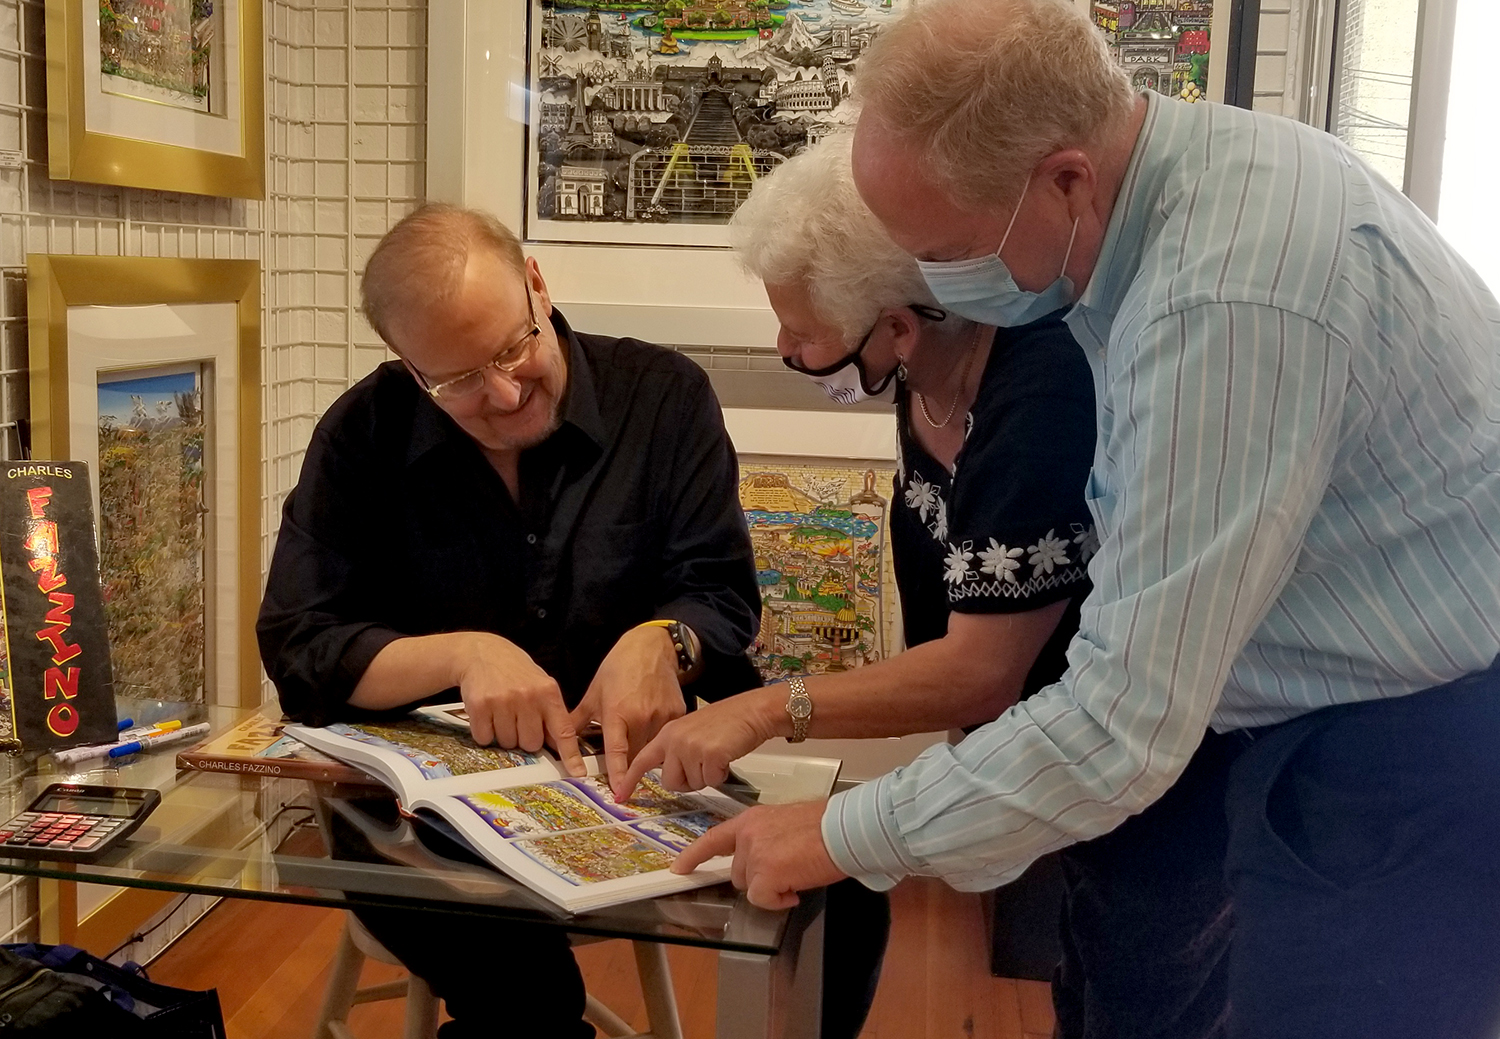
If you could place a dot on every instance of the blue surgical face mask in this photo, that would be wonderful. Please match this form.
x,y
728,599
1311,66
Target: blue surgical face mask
x,y
982,289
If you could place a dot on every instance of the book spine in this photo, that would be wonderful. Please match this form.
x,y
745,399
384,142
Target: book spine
x,y
282,768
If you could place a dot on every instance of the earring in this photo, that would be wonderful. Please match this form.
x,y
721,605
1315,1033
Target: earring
x,y
901,370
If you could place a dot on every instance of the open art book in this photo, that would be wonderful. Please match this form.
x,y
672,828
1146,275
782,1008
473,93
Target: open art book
x,y
565,838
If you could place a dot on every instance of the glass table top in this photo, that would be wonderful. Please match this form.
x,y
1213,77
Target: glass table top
x,y
222,834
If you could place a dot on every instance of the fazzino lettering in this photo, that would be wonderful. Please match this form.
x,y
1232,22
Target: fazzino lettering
x,y
59,683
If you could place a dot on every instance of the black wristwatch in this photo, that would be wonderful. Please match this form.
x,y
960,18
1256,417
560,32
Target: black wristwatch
x,y
685,643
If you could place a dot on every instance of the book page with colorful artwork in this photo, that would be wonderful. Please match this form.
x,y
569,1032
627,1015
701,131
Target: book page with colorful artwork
x,y
566,838
572,842
418,756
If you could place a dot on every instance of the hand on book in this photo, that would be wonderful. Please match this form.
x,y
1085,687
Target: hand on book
x,y
777,851
694,751
514,703
633,694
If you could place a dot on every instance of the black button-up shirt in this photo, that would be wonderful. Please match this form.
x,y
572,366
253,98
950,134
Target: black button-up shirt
x,y
400,526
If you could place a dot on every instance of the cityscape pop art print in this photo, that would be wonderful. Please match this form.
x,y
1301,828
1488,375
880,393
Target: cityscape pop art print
x,y
651,120
1162,44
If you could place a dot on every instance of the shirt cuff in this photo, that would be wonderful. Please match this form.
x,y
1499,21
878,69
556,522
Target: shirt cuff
x,y
862,837
713,631
359,654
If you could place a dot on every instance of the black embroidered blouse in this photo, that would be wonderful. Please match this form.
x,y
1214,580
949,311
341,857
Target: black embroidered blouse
x,y
1008,531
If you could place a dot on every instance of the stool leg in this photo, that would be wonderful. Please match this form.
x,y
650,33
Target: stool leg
x,y
421,1010
605,1019
342,983
656,987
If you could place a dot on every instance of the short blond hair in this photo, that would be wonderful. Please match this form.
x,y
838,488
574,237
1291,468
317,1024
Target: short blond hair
x,y
983,90
805,223
420,261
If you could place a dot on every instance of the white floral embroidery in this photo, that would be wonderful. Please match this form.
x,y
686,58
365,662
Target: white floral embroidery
x,y
1048,552
978,588
940,526
922,496
1087,540
956,565
1000,561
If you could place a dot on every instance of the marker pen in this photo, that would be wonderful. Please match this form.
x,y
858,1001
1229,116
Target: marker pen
x,y
157,739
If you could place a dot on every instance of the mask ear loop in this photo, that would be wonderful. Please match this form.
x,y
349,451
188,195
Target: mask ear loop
x,y
1014,213
1069,254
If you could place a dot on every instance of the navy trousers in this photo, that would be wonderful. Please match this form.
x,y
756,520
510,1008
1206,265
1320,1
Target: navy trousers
x,y
1333,877
1364,861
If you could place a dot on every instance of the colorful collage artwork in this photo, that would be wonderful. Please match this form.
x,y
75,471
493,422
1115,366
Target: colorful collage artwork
x,y
159,50
1163,44
153,539
666,112
436,750
577,830
822,556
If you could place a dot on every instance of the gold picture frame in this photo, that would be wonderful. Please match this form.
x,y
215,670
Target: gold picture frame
x,y
106,136
64,378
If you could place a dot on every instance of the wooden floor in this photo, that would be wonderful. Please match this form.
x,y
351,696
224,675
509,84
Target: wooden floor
x,y
270,963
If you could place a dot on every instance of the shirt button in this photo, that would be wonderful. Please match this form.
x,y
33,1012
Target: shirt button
x,y
531,539
541,613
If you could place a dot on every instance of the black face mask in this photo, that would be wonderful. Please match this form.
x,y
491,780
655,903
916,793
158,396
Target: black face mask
x,y
847,387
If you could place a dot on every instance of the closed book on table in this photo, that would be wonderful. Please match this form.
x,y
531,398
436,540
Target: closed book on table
x,y
257,746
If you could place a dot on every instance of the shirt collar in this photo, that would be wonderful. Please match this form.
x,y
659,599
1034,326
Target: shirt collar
x,y
580,406
1158,149
579,418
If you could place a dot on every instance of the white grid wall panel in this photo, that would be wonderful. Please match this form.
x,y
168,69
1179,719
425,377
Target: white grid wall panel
x,y
347,98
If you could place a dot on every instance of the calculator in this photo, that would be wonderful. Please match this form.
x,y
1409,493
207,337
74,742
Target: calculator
x,y
77,822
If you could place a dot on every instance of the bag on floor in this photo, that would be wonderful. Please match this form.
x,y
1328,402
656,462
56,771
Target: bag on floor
x,y
57,990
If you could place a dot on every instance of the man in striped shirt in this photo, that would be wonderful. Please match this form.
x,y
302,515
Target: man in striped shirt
x,y
1297,488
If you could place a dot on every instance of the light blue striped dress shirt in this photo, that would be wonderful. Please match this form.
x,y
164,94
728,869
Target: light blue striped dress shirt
x,y
1296,485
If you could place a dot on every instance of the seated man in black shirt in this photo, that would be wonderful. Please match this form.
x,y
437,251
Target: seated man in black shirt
x,y
503,511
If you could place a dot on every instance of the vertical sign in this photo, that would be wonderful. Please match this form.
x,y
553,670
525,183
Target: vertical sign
x,y
56,641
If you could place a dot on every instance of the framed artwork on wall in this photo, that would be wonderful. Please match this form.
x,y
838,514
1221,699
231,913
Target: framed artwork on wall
x,y
618,139
148,369
164,94
1180,48
821,535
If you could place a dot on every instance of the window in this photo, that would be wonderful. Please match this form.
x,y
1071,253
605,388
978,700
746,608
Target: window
x,y
1371,91
1468,215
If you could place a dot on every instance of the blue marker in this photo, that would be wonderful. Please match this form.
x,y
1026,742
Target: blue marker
x,y
124,724
146,742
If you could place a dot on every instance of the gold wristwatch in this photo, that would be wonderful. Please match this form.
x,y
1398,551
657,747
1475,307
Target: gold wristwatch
x,y
799,707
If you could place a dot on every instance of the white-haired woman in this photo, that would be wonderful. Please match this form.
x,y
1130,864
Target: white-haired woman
x,y
990,530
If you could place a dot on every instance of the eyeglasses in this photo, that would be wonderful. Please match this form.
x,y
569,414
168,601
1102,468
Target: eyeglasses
x,y
507,361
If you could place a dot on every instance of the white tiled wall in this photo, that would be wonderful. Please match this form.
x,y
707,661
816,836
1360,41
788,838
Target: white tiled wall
x,y
347,101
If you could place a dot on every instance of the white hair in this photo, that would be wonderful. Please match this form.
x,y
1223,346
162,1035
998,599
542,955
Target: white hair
x,y
805,223
983,90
